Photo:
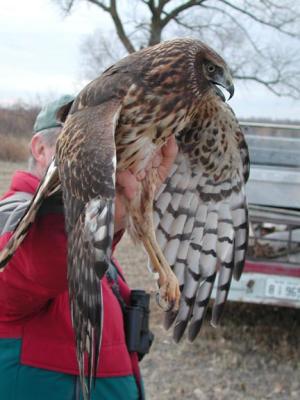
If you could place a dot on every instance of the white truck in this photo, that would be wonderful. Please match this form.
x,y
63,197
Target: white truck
x,y
272,270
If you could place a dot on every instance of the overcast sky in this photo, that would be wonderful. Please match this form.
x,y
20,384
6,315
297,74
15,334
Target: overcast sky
x,y
40,57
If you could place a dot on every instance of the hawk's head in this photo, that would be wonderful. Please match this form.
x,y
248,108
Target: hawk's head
x,y
189,64
211,69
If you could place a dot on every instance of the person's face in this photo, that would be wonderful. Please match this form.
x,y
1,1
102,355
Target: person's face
x,y
49,154
42,153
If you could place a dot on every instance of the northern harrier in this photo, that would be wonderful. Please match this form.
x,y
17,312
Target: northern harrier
x,y
118,122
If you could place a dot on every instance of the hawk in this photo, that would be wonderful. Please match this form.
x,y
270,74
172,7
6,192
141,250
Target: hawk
x,y
195,225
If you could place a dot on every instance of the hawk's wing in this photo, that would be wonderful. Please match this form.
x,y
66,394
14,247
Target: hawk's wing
x,y
86,162
201,214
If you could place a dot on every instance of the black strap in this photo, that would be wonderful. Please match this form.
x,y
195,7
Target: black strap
x,y
52,205
112,275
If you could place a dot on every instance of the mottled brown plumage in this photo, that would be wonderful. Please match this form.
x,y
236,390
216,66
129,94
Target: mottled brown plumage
x,y
118,122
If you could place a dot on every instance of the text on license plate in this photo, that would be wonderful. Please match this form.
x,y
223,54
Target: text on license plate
x,y
282,289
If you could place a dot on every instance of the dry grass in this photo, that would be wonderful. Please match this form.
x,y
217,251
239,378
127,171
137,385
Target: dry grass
x,y
13,148
18,119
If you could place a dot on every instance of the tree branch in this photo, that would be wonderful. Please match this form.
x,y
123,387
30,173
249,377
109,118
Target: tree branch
x,y
66,6
257,19
240,26
112,10
100,4
161,5
176,11
119,27
268,84
220,21
279,85
150,4
156,24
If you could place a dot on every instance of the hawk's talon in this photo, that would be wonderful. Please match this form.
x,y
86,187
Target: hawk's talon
x,y
168,295
168,306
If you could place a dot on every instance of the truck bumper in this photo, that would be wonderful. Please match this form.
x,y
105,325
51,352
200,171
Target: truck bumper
x,y
262,288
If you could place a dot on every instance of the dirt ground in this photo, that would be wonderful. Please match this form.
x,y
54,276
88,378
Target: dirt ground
x,y
253,355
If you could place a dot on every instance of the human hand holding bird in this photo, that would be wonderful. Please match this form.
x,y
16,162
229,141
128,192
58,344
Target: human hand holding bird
x,y
127,183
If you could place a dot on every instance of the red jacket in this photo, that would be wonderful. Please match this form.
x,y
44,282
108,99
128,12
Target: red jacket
x,y
34,303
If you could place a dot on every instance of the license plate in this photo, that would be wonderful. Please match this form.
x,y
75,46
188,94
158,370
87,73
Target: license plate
x,y
282,289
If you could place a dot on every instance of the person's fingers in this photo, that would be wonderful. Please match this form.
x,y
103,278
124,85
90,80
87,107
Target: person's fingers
x,y
157,160
127,181
141,175
120,212
169,152
127,184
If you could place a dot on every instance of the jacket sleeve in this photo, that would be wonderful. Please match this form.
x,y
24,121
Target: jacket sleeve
x,y
38,270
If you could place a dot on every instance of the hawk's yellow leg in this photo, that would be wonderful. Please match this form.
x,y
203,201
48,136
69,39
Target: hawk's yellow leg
x,y
168,283
142,216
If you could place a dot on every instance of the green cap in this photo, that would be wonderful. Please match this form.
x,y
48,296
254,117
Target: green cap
x,y
47,117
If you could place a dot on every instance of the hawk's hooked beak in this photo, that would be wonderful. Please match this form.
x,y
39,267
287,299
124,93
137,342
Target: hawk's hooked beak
x,y
224,80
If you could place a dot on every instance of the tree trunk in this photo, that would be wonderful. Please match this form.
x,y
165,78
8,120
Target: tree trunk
x,y
155,30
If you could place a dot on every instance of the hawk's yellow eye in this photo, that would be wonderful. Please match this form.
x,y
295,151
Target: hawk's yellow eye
x,y
211,68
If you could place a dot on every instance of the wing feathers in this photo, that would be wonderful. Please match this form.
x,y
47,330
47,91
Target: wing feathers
x,y
240,221
201,217
225,249
207,265
88,191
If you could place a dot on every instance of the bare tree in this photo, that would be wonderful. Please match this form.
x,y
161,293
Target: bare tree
x,y
259,38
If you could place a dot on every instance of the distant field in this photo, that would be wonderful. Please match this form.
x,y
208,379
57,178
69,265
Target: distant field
x,y
6,171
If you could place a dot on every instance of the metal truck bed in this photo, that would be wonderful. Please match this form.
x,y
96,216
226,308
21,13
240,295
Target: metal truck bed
x,y
272,270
